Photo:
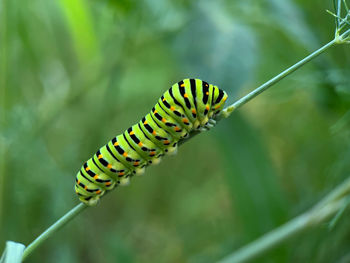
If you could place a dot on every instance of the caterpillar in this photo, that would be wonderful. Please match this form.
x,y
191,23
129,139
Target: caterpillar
x,y
189,105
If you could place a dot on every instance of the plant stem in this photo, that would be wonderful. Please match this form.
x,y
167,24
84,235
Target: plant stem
x,y
246,98
225,113
327,207
52,229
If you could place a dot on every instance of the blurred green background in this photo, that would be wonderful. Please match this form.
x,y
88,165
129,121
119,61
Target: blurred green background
x,y
75,73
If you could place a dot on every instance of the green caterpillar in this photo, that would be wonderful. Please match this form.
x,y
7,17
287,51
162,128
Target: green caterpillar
x,y
189,105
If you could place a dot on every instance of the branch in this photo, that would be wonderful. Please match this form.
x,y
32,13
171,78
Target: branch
x,y
225,113
52,229
341,39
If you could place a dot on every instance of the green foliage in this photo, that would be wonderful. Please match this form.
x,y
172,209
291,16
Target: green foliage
x,y
75,73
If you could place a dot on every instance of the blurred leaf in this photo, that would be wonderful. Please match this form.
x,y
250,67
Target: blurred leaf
x,y
81,27
257,197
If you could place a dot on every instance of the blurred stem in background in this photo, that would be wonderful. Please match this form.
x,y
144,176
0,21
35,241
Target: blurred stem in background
x,y
333,203
3,78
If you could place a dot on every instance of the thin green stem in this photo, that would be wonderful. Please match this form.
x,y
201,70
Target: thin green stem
x,y
343,37
52,229
335,201
246,98
226,112
339,11
341,191
268,241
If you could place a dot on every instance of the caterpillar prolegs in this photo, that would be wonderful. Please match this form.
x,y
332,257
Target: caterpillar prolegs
x,y
189,105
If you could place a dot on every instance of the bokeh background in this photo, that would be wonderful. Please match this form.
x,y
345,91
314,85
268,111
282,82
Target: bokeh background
x,y
74,73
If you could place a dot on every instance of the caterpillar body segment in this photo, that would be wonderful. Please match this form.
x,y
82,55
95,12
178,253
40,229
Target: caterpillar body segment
x,y
175,109
189,105
127,155
106,161
142,145
157,135
168,123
